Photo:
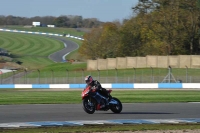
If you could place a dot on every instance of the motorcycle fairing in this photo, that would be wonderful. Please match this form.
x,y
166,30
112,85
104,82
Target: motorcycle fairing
x,y
98,97
112,101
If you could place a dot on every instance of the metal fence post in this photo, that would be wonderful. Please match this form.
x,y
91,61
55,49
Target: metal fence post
x,y
116,80
75,77
38,76
186,74
170,71
83,74
134,75
107,77
152,74
52,76
13,77
25,76
67,76
98,74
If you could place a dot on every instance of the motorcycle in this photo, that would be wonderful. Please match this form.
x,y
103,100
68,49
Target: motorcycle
x,y
94,101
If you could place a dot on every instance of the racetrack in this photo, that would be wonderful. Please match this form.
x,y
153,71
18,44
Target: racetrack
x,y
72,112
70,46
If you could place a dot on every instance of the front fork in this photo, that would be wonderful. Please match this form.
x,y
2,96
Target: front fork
x,y
94,103
90,101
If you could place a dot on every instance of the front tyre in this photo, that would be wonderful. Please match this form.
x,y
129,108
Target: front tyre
x,y
88,105
116,108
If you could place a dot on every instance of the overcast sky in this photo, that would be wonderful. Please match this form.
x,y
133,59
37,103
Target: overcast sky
x,y
104,10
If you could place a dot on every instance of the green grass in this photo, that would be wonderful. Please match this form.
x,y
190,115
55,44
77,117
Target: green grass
x,y
29,45
65,66
32,50
105,128
31,96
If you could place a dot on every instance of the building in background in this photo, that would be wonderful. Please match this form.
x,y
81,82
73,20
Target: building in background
x,y
36,24
52,26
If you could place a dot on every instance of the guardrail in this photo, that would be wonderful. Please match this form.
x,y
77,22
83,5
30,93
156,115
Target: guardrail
x,y
41,33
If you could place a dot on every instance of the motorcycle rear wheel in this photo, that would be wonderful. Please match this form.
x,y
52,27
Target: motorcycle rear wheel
x,y
116,108
88,105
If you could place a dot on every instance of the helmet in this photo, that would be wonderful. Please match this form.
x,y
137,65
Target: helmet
x,y
88,79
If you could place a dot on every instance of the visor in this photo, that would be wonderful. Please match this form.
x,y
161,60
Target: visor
x,y
87,81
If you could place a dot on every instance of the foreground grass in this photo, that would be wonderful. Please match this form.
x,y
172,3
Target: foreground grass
x,y
29,96
104,128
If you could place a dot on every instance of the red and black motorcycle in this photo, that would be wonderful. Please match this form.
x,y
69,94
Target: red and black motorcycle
x,y
93,100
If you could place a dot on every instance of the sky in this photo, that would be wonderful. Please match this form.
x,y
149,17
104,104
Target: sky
x,y
103,10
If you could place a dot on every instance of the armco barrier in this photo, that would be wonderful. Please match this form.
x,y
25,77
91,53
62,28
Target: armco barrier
x,y
108,86
40,33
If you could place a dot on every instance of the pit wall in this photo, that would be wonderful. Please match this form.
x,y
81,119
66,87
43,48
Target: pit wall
x,y
179,61
107,86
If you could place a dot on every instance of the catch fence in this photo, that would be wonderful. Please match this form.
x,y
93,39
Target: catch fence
x,y
139,75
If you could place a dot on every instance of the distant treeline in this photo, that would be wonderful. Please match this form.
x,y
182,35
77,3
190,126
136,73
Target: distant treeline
x,y
61,21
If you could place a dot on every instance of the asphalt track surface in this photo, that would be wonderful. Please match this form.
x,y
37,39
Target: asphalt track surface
x,y
73,112
70,46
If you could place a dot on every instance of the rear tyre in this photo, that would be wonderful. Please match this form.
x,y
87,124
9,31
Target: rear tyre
x,y
88,105
116,108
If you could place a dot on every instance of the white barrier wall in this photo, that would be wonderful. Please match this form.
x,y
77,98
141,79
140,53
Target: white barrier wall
x,y
162,62
102,64
92,65
173,61
131,62
152,61
179,61
195,61
185,60
141,62
41,33
121,62
111,63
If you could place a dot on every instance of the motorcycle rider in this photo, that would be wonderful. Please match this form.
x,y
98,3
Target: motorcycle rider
x,y
96,85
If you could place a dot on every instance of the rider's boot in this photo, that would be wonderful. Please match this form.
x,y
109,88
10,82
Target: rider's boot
x,y
109,97
102,106
98,106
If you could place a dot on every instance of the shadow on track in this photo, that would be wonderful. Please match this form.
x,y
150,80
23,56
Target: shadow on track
x,y
141,113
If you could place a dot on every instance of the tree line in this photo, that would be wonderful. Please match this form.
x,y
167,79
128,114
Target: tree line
x,y
68,21
158,27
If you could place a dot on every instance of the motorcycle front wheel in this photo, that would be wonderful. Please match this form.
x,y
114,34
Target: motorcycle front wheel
x,y
88,105
116,108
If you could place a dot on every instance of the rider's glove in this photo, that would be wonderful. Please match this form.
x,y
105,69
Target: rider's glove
x,y
94,88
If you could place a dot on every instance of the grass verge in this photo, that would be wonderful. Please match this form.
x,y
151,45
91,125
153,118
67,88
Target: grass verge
x,y
105,128
31,96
